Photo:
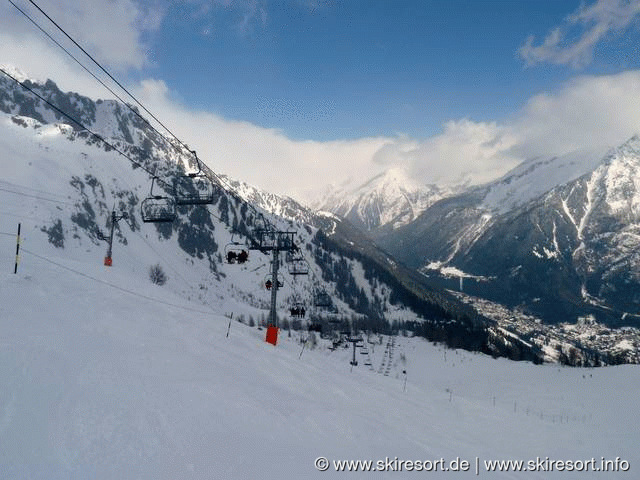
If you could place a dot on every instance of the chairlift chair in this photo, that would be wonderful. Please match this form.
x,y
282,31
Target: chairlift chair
x,y
297,310
322,300
298,266
194,188
268,282
158,208
236,252
267,240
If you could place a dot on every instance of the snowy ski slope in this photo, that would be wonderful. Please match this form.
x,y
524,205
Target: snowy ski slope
x,y
128,380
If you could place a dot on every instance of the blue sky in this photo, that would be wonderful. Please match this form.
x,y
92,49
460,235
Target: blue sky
x,y
349,69
333,91
357,68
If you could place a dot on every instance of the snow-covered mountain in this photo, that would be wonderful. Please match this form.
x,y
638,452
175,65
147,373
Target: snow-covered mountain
x,y
285,207
390,199
107,374
558,237
85,180
66,183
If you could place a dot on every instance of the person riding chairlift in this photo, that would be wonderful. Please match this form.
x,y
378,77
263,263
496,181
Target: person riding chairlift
x,y
298,312
268,284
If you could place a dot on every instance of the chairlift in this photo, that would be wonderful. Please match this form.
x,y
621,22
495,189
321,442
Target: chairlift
x,y
268,282
267,239
158,208
297,310
298,266
194,188
321,299
236,252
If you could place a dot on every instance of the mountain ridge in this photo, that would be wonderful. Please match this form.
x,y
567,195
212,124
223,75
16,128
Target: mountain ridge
x,y
564,236
390,198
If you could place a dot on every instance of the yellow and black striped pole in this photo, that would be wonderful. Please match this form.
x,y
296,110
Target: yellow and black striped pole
x,y
15,269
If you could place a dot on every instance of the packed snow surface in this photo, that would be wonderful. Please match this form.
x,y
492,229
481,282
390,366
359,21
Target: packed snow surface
x,y
102,376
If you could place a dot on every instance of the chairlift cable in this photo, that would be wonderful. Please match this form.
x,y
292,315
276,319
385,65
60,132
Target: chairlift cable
x,y
107,73
230,190
23,187
84,67
26,217
221,182
80,124
37,197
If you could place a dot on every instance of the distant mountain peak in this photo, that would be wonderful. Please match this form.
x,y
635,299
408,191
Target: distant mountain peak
x,y
388,199
395,176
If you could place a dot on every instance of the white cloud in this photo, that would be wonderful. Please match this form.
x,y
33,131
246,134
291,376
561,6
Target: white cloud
x,y
36,58
469,151
593,22
260,156
587,112
110,31
249,14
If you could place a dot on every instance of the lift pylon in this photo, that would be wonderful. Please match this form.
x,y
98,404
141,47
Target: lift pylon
x,y
274,242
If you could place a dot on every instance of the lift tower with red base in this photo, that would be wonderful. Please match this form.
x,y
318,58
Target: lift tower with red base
x,y
274,242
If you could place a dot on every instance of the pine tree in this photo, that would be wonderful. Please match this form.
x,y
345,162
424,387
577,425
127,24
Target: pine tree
x,y
157,275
